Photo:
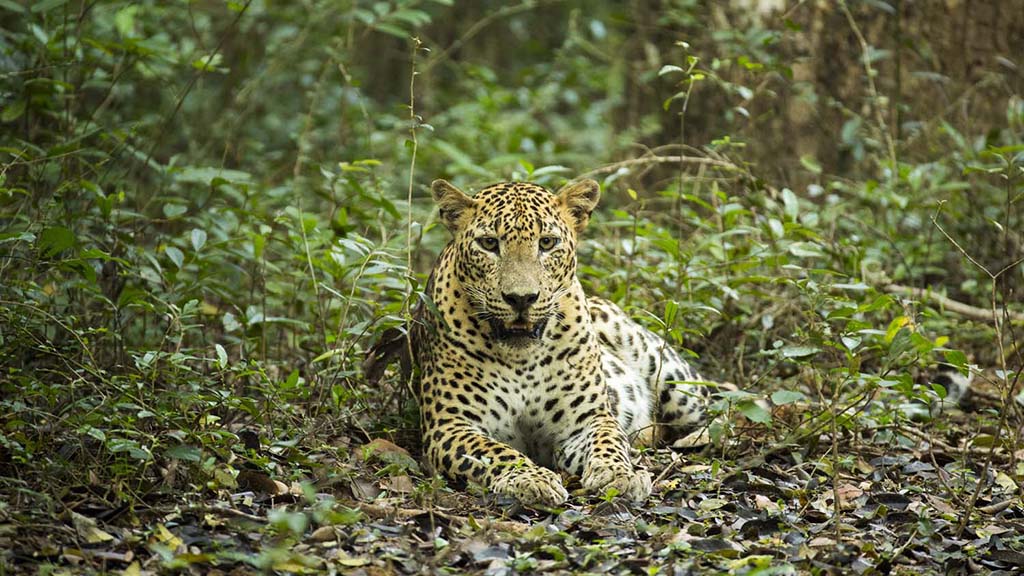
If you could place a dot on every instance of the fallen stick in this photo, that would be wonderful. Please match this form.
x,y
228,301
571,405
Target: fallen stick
x,y
960,308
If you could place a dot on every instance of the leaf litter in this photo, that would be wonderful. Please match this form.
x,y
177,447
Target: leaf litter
x,y
745,508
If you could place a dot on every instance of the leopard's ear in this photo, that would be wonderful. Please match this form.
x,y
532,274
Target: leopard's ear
x,y
454,206
580,198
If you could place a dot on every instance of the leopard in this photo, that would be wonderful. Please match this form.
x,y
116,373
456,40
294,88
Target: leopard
x,y
522,375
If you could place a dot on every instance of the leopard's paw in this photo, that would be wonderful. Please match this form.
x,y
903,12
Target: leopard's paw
x,y
532,486
632,483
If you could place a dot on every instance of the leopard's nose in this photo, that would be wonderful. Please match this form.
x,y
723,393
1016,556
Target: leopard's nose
x,y
520,302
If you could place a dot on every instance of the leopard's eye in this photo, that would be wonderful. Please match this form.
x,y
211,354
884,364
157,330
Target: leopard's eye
x,y
489,243
548,242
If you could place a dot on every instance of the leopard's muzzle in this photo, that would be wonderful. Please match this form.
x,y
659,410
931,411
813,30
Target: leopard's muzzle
x,y
518,333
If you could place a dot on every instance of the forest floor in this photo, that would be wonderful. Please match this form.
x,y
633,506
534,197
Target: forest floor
x,y
904,500
207,210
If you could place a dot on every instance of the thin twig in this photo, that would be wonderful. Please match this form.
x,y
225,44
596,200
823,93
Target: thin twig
x,y
300,157
676,460
225,511
413,124
93,366
837,509
869,71
478,27
159,139
902,548
610,168
959,248
997,313
966,310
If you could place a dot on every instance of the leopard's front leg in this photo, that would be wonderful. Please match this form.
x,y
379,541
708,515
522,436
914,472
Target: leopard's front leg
x,y
599,451
458,449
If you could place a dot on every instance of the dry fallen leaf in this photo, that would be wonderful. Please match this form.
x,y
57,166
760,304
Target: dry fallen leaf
x,y
994,530
386,451
713,504
694,468
1004,481
323,534
363,490
997,507
939,504
401,484
848,494
87,529
762,502
279,488
259,482
350,561
382,446
161,535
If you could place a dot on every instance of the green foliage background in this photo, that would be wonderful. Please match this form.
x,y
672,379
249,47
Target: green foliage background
x,y
205,207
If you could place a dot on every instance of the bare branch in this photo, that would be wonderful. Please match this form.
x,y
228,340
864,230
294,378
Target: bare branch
x,y
966,310
478,27
696,160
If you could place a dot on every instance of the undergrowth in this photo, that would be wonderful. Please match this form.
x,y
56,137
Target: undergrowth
x,y
209,211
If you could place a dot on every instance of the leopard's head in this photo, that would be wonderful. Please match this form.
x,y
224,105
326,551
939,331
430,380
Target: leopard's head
x,y
514,251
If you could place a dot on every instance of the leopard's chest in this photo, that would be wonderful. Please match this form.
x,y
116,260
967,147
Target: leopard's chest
x,y
527,390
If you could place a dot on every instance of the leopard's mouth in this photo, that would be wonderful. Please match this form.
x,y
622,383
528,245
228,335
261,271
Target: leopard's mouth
x,y
518,332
